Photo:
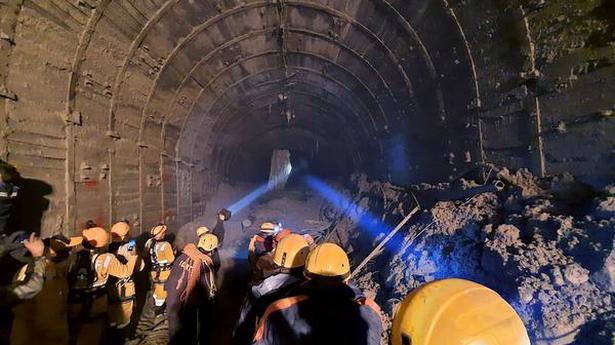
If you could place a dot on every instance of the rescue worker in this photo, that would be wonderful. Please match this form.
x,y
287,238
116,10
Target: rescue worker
x,y
29,280
218,230
456,312
46,313
289,258
201,244
160,256
260,249
25,284
88,276
191,289
324,310
8,195
122,290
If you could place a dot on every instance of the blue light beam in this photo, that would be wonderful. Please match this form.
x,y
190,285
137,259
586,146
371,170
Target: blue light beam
x,y
261,190
364,219
249,198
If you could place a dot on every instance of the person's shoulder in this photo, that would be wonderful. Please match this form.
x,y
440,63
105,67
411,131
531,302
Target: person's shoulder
x,y
163,245
105,256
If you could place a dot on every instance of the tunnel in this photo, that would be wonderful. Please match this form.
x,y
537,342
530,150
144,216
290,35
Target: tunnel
x,y
148,110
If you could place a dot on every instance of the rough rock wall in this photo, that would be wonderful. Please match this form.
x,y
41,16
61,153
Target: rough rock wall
x,y
545,75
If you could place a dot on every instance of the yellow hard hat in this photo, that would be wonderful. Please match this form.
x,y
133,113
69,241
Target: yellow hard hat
x,y
96,237
158,229
120,230
291,252
201,231
208,242
268,227
457,312
74,241
327,260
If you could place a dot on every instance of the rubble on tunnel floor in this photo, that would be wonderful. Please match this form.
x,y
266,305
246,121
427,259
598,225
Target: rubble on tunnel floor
x,y
546,245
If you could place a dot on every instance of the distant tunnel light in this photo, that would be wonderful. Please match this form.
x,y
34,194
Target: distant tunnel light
x,y
279,173
280,169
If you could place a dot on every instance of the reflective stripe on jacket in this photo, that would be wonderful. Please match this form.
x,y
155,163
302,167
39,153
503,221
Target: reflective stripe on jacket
x,y
259,297
27,286
321,315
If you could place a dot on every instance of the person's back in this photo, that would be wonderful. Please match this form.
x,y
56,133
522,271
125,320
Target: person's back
x,y
321,315
259,297
191,289
324,310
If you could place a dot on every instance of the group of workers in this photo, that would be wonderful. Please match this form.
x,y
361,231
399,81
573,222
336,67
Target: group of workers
x,y
81,290
299,294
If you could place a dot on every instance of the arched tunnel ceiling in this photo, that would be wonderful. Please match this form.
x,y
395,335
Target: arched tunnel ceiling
x,y
139,108
362,55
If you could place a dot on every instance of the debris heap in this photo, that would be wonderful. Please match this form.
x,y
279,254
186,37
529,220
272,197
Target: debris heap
x,y
545,244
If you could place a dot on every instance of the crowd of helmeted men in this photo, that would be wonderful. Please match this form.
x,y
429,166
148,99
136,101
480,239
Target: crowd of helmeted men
x,y
82,290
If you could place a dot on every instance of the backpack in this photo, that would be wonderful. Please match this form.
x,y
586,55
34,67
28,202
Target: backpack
x,y
82,274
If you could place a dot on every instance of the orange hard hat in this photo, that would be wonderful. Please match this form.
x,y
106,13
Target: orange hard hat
x,y
96,237
120,229
158,229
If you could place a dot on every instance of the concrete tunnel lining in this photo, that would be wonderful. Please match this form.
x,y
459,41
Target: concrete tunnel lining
x,y
407,73
151,110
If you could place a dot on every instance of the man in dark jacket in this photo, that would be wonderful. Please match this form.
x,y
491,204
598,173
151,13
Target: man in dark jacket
x,y
28,283
289,258
219,230
325,310
191,288
8,195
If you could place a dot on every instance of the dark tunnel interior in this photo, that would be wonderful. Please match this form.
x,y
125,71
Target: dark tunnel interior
x,y
140,108
148,110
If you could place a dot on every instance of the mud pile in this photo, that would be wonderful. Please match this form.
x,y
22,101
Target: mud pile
x,y
546,245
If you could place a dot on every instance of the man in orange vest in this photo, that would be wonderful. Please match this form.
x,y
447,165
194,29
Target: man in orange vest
x,y
192,288
261,247
122,290
160,255
88,276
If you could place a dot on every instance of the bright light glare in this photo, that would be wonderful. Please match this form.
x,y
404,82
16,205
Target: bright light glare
x,y
249,198
280,179
260,191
